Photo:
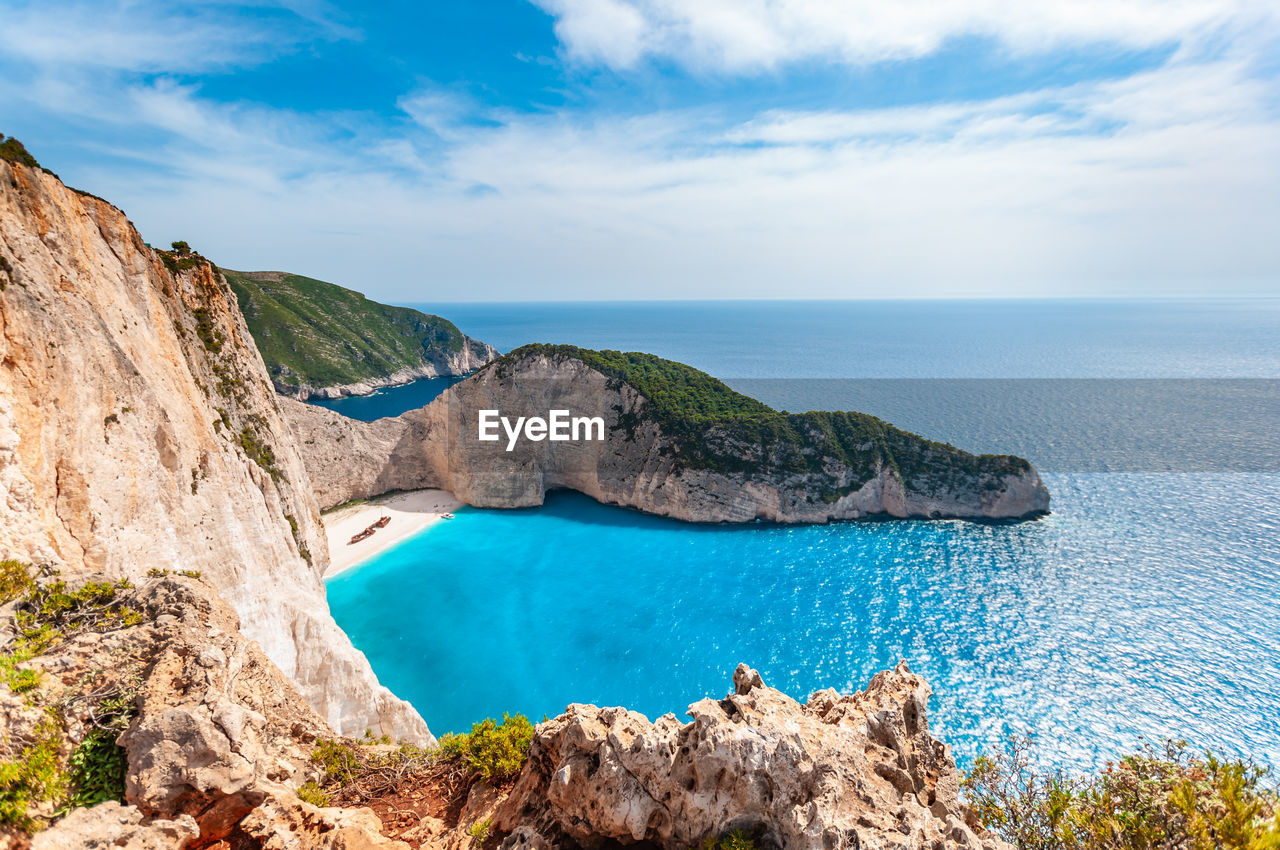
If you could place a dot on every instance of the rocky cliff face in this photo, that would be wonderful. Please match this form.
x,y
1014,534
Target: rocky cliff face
x,y
723,473
217,738
857,772
138,430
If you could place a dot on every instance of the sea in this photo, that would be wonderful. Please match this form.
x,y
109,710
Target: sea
x,y
1145,607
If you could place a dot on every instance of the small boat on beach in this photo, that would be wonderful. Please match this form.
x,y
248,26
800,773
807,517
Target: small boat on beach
x,y
446,516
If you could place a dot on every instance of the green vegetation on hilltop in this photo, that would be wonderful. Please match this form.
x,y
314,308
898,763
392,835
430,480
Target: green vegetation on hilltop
x,y
676,391
718,428
1156,799
12,150
319,334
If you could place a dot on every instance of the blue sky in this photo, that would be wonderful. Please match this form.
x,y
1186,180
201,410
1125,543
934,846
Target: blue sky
x,y
624,149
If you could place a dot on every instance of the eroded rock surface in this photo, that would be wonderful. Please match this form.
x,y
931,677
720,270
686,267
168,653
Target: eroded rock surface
x,y
218,740
857,771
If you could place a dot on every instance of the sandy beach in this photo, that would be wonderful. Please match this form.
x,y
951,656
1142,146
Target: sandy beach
x,y
410,513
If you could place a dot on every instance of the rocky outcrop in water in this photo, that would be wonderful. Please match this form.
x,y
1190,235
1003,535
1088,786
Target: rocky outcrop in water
x,y
835,773
138,430
750,463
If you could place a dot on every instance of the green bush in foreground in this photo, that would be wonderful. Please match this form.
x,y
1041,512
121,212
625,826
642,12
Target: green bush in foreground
x,y
312,793
1157,799
492,750
97,769
15,580
32,776
736,840
31,770
481,830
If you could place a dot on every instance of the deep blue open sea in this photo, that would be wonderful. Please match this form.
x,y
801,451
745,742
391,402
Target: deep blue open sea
x,y
1147,604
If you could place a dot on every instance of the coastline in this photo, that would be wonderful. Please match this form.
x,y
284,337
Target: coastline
x,y
410,512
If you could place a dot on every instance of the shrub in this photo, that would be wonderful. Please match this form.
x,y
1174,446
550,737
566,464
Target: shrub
x,y
13,150
481,830
312,793
340,761
15,580
259,452
207,331
1157,798
491,750
180,248
52,612
49,613
736,840
97,769
32,777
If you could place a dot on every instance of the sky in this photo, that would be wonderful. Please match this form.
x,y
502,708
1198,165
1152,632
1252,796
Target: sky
x,y
531,150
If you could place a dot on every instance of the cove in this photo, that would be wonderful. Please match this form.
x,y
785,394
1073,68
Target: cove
x,y
1136,609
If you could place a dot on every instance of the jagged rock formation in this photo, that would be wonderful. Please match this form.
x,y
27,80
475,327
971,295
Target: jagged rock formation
x,y
138,429
835,773
320,339
738,462
218,740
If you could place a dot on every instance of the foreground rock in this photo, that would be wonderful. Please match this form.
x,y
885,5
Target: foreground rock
x,y
859,771
217,741
752,463
138,430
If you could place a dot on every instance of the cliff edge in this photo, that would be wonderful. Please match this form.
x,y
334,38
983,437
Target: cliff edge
x,y
139,430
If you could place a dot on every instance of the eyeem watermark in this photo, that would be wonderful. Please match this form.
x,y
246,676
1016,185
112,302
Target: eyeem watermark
x,y
559,426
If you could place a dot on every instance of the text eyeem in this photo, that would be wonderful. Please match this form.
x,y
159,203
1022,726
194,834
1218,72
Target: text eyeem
x,y
558,426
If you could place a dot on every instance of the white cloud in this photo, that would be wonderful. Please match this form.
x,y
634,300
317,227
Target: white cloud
x,y
125,36
1161,183
753,35
1164,182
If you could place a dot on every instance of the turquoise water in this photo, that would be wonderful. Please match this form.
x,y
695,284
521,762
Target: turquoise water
x,y
391,401
1145,605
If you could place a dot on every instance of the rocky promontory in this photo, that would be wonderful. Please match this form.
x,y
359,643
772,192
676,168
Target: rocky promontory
x,y
676,442
324,340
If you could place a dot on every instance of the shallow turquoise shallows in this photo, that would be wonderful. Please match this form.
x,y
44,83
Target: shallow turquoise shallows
x,y
1146,605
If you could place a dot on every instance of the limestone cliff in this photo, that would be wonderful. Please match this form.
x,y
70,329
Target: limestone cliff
x,y
702,454
138,430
